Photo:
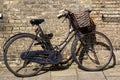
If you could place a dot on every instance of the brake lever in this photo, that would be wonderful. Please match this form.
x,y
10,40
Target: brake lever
x,y
64,19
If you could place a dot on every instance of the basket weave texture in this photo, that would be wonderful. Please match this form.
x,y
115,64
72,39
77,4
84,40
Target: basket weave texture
x,y
82,19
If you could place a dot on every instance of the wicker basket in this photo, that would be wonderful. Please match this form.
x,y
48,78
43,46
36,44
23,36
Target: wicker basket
x,y
82,19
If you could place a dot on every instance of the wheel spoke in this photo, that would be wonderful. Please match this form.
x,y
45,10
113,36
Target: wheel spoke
x,y
95,58
15,47
19,69
96,52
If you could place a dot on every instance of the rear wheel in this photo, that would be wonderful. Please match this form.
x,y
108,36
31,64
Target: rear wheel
x,y
12,55
95,55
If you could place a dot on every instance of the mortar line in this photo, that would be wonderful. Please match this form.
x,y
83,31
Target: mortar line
x,y
76,73
104,75
50,75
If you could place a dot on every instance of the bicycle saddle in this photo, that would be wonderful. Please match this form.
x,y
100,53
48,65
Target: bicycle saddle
x,y
36,21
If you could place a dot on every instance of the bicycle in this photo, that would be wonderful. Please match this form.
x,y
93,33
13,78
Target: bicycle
x,y
31,56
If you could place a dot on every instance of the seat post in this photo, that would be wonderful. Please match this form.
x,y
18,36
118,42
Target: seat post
x,y
40,29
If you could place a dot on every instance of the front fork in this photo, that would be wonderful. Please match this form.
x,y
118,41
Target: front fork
x,y
88,45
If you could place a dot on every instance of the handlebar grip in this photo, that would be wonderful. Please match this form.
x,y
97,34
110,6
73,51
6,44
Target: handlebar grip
x,y
59,16
62,13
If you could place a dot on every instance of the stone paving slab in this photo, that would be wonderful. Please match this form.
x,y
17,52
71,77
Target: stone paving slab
x,y
45,76
64,78
72,73
10,78
4,72
69,74
91,76
113,72
113,78
6,75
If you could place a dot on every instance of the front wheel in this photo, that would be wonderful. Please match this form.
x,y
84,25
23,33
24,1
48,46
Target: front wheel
x,y
15,46
95,54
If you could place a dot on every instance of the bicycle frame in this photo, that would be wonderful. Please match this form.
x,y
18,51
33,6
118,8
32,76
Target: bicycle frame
x,y
68,38
59,47
64,43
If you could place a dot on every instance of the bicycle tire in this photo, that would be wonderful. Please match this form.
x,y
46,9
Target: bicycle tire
x,y
88,66
6,54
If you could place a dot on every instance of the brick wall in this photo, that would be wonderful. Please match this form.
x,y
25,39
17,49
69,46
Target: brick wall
x,y
17,14
111,26
1,30
111,23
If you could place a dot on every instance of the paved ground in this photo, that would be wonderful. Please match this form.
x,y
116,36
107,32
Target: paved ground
x,y
72,73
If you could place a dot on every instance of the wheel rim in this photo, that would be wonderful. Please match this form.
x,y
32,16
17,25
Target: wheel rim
x,y
15,63
98,56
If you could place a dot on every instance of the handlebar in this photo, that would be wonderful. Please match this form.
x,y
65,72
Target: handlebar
x,y
62,13
65,12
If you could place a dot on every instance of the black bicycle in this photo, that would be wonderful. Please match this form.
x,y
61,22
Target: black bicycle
x,y
27,54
